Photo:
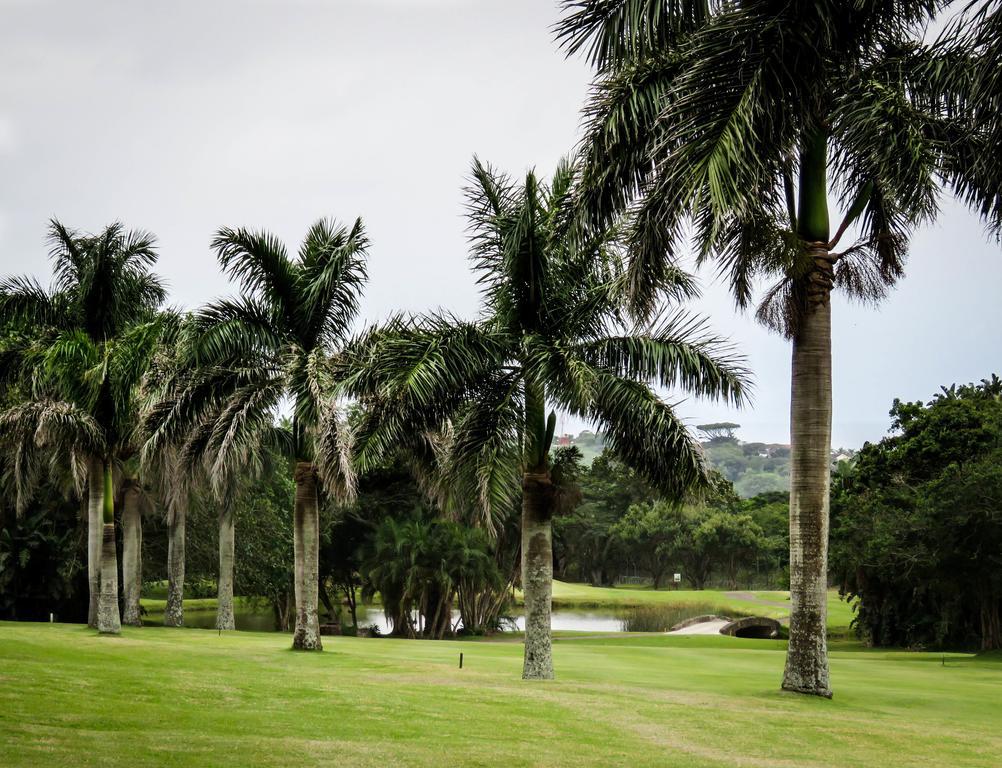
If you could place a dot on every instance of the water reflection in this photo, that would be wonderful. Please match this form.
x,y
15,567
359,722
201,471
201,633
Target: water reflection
x,y
651,618
263,621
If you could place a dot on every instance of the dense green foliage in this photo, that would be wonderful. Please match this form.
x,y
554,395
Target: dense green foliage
x,y
43,559
623,528
917,531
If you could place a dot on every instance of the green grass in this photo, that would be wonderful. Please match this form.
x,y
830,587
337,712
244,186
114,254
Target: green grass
x,y
154,696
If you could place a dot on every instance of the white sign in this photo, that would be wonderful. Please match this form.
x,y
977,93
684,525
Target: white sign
x,y
678,577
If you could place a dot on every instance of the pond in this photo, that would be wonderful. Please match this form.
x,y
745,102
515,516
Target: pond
x,y
647,619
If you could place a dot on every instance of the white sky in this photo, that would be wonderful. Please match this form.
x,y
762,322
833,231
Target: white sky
x,y
183,117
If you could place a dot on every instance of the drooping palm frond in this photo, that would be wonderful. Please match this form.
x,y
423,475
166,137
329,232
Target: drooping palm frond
x,y
43,430
412,373
615,158
234,329
616,32
676,352
334,445
24,302
484,460
964,72
260,264
647,434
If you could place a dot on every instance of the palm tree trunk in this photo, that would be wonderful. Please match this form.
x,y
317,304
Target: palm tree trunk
x,y
95,510
174,612
132,546
108,619
224,610
810,421
537,574
306,529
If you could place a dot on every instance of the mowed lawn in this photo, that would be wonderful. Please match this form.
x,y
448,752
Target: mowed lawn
x,y
159,696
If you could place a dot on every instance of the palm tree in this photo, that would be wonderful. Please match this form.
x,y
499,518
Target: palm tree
x,y
549,331
734,128
964,73
243,358
76,355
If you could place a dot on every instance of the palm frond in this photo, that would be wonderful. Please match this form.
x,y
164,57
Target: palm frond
x,y
259,263
644,432
678,352
40,431
333,258
614,32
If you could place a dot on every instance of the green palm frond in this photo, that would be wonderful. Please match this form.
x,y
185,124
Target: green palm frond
x,y
616,32
614,161
645,432
413,372
677,352
965,72
260,264
334,269
761,245
485,456
233,330
24,302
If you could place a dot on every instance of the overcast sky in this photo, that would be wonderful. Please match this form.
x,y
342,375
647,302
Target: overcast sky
x,y
182,117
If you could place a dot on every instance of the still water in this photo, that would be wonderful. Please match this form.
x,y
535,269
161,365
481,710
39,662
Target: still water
x,y
262,621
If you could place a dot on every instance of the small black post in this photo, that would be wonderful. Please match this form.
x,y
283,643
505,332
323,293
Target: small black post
x,y
460,661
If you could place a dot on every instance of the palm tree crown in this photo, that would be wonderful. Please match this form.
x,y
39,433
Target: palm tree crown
x,y
75,360
550,331
243,358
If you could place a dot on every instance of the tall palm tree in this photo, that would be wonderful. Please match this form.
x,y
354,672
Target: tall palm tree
x,y
77,353
734,129
243,358
550,331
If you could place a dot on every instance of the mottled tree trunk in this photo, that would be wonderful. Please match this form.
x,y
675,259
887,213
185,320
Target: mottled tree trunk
x,y
108,619
306,529
95,510
537,574
132,547
174,612
224,610
810,421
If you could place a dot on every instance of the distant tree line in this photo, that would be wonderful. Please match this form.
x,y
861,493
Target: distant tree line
x,y
623,527
917,524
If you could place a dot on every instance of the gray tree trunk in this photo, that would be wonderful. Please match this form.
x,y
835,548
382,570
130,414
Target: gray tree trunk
x,y
224,610
108,620
306,529
810,422
95,509
174,611
132,548
537,574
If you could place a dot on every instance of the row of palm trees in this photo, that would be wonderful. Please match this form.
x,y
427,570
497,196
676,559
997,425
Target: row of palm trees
x,y
729,122
198,400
